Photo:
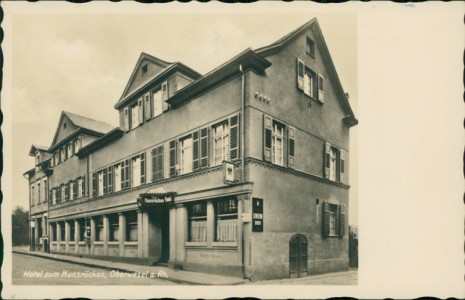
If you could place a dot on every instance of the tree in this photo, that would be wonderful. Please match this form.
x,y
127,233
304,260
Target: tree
x,y
20,226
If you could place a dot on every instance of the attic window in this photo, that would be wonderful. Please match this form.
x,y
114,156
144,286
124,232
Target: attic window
x,y
310,47
144,69
64,125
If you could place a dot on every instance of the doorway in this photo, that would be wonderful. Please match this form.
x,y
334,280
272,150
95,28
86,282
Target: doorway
x,y
298,248
161,236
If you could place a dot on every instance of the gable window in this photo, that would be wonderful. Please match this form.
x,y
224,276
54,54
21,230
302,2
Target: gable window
x,y
198,222
144,69
186,155
310,82
333,219
157,103
334,163
221,143
226,220
134,116
310,47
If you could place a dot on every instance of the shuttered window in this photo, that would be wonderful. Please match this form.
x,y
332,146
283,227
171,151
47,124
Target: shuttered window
x,y
164,95
321,90
204,147
126,119
220,143
278,140
196,150
334,219
147,107
173,151
109,180
300,74
335,163
234,133
308,80
125,174
117,175
157,163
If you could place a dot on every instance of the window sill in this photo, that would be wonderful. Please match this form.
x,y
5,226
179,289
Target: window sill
x,y
134,243
81,243
98,243
224,244
113,242
195,244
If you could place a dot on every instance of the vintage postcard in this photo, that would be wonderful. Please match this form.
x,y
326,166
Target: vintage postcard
x,y
193,150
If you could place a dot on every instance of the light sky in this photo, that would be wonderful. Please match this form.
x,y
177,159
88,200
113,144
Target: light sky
x,y
81,63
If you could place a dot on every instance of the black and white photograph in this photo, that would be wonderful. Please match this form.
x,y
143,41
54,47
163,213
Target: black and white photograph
x,y
227,152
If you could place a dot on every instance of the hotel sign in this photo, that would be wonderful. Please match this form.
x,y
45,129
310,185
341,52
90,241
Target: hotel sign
x,y
257,215
154,200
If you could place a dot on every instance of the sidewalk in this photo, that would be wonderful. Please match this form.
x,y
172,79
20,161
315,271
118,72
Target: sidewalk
x,y
177,276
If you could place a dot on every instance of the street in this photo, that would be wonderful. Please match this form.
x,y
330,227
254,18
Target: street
x,y
31,270
337,278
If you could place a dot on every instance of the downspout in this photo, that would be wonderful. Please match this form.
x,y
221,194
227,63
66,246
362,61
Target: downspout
x,y
242,122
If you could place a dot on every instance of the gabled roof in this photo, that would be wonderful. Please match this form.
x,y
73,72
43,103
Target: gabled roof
x,y
82,123
35,148
275,47
163,64
247,59
160,76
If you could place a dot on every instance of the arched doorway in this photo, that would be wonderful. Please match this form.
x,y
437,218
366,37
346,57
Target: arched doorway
x,y
298,256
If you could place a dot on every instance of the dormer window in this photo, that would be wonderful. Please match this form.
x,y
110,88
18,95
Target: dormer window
x,y
144,69
310,47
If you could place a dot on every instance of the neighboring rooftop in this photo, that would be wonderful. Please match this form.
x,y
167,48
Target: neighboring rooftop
x,y
90,124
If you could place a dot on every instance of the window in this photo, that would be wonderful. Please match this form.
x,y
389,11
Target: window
x,y
279,140
125,174
157,163
147,107
82,229
157,103
198,222
310,47
72,187
226,220
100,183
57,158
109,181
138,170
221,143
117,174
54,196
45,190
99,229
65,191
63,154
144,69
32,195
311,83
77,145
277,144
72,229
80,185
62,231
54,232
38,158
131,226
126,119
114,227
186,155
333,219
39,193
70,149
334,163
134,116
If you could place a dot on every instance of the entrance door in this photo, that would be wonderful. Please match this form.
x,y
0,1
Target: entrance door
x,y
298,256
165,236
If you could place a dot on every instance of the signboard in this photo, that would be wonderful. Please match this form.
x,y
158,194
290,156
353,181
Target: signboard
x,y
257,215
229,172
155,200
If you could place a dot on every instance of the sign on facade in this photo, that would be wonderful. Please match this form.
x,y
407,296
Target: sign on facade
x,y
257,215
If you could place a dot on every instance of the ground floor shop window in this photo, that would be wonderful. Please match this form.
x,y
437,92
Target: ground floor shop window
x,y
99,229
198,222
82,229
62,231
54,232
72,230
131,226
114,227
226,220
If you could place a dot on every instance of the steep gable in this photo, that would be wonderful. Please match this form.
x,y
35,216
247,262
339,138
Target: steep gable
x,y
295,42
146,68
65,128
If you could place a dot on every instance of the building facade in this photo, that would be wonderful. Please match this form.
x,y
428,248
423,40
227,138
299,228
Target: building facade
x,y
241,171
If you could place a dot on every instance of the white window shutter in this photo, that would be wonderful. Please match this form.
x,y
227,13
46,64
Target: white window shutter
x,y
300,74
140,110
164,95
126,119
321,90
327,159
291,147
342,166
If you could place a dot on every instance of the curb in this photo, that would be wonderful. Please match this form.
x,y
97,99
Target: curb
x,y
94,265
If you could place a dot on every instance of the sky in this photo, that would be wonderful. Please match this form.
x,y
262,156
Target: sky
x,y
81,63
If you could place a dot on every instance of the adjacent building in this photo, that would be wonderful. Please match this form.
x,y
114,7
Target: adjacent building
x,y
241,171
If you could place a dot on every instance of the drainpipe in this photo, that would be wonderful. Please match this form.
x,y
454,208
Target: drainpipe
x,y
242,125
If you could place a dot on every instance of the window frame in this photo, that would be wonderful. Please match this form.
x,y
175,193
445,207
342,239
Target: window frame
x,y
199,215
310,47
232,214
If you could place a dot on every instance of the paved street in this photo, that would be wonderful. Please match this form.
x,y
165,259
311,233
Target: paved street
x,y
31,270
337,278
